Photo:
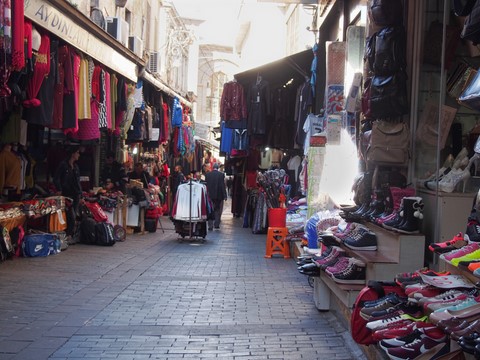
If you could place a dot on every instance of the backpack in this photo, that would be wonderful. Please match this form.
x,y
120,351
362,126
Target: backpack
x,y
88,231
388,96
386,12
373,291
6,248
390,51
389,143
96,211
104,234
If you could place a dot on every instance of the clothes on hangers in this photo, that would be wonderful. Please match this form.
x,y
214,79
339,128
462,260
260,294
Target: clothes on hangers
x,y
190,203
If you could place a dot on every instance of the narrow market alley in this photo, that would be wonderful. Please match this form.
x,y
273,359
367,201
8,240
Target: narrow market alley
x,y
155,297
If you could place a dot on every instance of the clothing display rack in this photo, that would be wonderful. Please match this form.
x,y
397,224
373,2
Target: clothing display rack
x,y
189,211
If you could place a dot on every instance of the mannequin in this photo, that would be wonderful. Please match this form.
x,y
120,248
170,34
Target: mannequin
x,y
10,169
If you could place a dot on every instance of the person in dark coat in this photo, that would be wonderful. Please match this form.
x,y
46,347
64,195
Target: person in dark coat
x,y
113,176
140,174
67,183
177,179
218,194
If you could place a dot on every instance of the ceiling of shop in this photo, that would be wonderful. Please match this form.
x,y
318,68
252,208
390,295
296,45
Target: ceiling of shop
x,y
278,73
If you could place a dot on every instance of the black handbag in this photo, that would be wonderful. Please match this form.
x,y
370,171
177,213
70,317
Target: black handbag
x,y
386,12
471,95
471,28
388,96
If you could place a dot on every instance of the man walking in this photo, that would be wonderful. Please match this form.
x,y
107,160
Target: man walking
x,y
218,194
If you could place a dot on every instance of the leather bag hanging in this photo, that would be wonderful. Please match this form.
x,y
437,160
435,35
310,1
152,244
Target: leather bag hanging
x,y
388,96
386,12
389,143
471,28
470,97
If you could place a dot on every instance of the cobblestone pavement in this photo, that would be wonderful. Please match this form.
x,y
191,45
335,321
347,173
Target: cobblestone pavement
x,y
155,297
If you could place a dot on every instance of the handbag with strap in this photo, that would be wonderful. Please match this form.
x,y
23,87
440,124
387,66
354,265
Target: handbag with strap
x,y
471,28
470,97
389,143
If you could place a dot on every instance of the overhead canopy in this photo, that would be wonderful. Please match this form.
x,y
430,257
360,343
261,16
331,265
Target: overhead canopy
x,y
279,72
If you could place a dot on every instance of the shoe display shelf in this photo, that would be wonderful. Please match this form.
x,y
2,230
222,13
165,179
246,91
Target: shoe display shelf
x,y
455,270
396,253
449,213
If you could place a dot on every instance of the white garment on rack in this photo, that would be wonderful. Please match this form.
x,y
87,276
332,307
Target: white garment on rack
x,y
184,202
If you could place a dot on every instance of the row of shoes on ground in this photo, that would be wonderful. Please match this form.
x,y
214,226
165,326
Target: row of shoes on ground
x,y
455,311
400,210
336,264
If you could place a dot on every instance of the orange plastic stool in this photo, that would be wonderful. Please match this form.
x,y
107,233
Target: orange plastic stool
x,y
277,243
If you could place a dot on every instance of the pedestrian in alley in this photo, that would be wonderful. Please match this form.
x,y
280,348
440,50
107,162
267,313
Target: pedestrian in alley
x,y
217,192
177,179
67,183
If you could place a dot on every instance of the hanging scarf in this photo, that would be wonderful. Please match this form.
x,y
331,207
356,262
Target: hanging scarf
x,y
18,48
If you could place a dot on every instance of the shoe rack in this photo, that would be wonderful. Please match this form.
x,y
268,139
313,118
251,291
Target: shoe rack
x,y
443,216
396,253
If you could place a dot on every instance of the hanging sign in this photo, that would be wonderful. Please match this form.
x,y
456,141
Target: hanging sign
x,y
47,16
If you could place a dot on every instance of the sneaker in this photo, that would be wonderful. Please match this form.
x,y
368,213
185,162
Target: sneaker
x,y
402,308
469,303
389,302
473,231
355,273
351,228
405,279
456,242
471,265
342,263
416,348
444,296
331,258
361,240
439,306
398,331
415,292
431,331
474,255
465,250
394,321
392,298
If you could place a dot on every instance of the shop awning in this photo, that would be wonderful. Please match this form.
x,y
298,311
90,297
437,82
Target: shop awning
x,y
162,87
72,26
279,72
211,143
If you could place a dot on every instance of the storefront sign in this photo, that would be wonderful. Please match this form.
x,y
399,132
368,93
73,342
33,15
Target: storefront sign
x,y
47,16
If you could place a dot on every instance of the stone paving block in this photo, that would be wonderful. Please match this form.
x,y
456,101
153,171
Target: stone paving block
x,y
152,297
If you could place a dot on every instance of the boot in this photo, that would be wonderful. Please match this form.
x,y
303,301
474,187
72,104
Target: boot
x,y
412,213
396,194
396,220
379,206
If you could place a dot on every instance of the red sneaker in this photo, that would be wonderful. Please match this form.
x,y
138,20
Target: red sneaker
x,y
456,242
399,331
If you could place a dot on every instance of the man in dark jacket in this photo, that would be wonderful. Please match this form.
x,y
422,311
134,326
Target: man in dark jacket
x,y
218,194
113,176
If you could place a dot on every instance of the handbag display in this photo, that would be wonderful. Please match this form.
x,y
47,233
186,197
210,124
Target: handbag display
x,y
459,79
470,97
471,27
388,96
389,143
427,131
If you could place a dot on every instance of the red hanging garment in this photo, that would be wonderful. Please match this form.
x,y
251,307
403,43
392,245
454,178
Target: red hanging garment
x,y
18,48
